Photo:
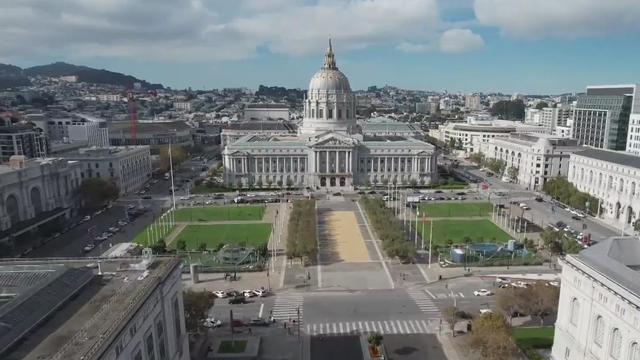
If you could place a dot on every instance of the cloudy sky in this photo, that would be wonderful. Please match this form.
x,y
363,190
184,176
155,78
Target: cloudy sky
x,y
527,46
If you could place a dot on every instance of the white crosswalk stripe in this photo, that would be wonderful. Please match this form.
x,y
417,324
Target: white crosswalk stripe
x,y
286,307
424,303
383,327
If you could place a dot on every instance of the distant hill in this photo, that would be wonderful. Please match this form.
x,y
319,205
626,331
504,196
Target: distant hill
x,y
88,75
12,76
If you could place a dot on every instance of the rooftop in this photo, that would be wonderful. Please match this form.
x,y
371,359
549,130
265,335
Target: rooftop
x,y
69,310
262,125
116,127
104,152
616,157
618,259
267,106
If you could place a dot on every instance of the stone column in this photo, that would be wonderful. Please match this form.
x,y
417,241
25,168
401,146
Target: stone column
x,y
379,157
327,162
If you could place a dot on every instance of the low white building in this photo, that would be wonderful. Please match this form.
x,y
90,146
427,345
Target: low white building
x,y
109,97
538,157
611,176
532,115
599,308
475,132
182,105
129,167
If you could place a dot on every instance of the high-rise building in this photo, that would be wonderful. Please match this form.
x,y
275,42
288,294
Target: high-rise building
x,y
551,117
601,116
472,102
21,140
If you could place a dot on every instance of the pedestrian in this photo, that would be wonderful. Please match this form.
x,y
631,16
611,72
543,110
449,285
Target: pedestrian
x,y
250,331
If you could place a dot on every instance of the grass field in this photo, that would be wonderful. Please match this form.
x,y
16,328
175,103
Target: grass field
x,y
213,235
538,337
232,347
457,230
220,213
456,209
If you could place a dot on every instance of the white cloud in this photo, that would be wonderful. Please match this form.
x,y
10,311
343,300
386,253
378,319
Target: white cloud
x,y
201,30
563,18
410,47
456,41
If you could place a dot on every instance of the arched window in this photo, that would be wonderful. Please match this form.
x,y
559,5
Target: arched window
x,y
574,311
13,209
36,200
633,188
598,331
616,342
634,351
599,179
590,177
610,182
620,185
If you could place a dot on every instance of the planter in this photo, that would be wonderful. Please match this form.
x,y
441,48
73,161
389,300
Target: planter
x,y
375,352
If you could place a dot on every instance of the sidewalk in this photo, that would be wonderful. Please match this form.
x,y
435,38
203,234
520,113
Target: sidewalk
x,y
447,273
448,347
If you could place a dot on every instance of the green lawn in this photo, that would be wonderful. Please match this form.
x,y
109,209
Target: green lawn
x,y
456,209
213,235
204,189
220,213
537,337
232,347
457,230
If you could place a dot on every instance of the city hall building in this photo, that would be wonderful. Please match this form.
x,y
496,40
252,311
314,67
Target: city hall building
x,y
329,150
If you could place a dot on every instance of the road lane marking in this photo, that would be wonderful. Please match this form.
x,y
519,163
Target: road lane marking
x,y
335,329
386,326
366,324
381,330
261,309
400,327
430,294
407,327
393,327
412,327
420,328
341,330
461,295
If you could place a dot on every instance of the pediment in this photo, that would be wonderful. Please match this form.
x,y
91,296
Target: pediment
x,y
333,140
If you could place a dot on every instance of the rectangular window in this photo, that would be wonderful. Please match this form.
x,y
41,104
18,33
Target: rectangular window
x,y
330,113
313,113
151,354
162,350
320,113
347,113
339,113
176,322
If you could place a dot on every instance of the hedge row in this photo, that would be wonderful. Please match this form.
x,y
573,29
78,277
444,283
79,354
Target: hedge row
x,y
388,228
301,231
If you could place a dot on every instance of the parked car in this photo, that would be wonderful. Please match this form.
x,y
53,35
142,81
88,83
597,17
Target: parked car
x,y
486,311
248,293
482,292
86,218
238,323
260,292
211,323
219,294
114,229
88,247
539,199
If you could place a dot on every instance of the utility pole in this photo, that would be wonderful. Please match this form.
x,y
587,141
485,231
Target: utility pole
x,y
430,239
416,226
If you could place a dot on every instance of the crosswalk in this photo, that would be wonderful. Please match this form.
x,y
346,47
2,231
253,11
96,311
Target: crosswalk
x,y
380,326
424,303
286,307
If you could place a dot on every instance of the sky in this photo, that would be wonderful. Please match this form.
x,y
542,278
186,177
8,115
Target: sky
x,y
525,46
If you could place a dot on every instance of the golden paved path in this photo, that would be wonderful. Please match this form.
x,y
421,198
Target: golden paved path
x,y
345,239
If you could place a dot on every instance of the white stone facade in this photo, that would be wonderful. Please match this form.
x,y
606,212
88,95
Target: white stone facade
x,y
599,307
30,187
129,167
329,151
612,177
537,157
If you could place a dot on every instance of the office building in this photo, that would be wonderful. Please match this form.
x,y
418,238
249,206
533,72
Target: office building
x,y
22,139
599,307
601,116
472,103
156,134
128,167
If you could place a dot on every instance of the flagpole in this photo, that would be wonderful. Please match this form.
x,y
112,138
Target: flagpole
x,y
173,189
430,238
416,227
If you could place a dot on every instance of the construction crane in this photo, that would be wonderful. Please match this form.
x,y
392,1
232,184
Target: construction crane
x,y
133,116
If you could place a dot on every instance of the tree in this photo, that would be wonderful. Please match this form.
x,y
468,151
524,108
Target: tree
x,y
541,105
451,317
512,173
178,155
452,143
196,308
181,245
542,301
202,246
477,158
289,183
259,183
491,337
375,339
508,109
159,247
509,300
269,182
96,192
413,183
552,240
279,183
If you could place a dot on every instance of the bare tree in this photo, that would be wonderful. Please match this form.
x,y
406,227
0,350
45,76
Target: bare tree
x,y
491,337
542,301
